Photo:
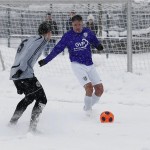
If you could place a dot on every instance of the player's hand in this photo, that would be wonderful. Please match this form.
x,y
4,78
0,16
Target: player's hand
x,y
17,74
41,63
100,47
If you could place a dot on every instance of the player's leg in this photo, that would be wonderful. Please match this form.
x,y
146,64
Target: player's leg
x,y
88,96
18,85
80,72
97,84
98,89
35,115
21,107
40,103
23,104
97,94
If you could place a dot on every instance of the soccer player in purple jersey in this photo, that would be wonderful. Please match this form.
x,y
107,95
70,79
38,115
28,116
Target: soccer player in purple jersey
x,y
78,41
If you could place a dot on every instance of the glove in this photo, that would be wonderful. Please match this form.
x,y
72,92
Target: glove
x,y
17,74
100,47
41,63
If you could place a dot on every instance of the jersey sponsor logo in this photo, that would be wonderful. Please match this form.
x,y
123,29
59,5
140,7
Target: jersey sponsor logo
x,y
85,34
38,84
81,45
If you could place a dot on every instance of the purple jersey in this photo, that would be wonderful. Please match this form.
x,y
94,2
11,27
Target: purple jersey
x,y
78,45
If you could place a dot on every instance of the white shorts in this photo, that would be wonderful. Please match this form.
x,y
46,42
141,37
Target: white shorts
x,y
86,74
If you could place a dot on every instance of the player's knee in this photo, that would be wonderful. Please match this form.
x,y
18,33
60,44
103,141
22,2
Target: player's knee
x,y
43,100
41,97
89,89
99,89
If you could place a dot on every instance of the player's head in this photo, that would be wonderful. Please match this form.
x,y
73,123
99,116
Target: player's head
x,y
45,29
77,23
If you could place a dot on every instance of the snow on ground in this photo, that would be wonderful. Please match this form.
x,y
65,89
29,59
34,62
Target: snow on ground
x,y
65,126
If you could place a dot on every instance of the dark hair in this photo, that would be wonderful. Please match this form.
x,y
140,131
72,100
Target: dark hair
x,y
76,18
44,28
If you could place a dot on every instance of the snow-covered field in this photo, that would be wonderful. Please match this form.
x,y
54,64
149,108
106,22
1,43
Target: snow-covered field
x,y
65,126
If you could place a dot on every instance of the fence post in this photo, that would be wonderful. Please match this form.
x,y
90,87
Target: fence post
x,y
8,25
100,19
21,25
2,62
129,36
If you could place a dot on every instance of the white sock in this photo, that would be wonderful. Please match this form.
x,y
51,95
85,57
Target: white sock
x,y
87,102
95,99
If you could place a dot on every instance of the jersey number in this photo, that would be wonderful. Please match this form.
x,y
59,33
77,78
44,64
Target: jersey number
x,y
21,45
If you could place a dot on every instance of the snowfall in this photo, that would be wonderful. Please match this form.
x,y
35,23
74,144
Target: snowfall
x,y
64,125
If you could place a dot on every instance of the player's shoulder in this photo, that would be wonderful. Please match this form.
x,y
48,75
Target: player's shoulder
x,y
68,33
38,38
86,29
67,36
35,39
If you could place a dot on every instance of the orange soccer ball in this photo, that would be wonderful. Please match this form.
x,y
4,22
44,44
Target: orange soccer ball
x,y
106,117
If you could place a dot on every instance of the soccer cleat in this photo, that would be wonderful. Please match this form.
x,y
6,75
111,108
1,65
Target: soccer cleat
x,y
87,108
34,121
37,110
15,118
12,124
34,131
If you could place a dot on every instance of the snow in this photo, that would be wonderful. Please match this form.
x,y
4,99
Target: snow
x,y
63,123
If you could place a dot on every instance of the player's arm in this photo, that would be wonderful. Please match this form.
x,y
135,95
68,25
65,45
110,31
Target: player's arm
x,y
95,42
28,54
56,50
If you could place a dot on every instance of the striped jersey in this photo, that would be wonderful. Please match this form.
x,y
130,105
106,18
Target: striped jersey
x,y
27,54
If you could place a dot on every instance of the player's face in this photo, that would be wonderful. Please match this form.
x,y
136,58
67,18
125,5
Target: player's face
x,y
77,26
48,36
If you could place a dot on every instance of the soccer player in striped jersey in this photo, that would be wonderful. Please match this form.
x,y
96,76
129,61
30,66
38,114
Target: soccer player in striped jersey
x,y
22,74
78,41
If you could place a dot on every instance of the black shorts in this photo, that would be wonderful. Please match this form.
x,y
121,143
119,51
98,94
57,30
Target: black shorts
x,y
32,89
